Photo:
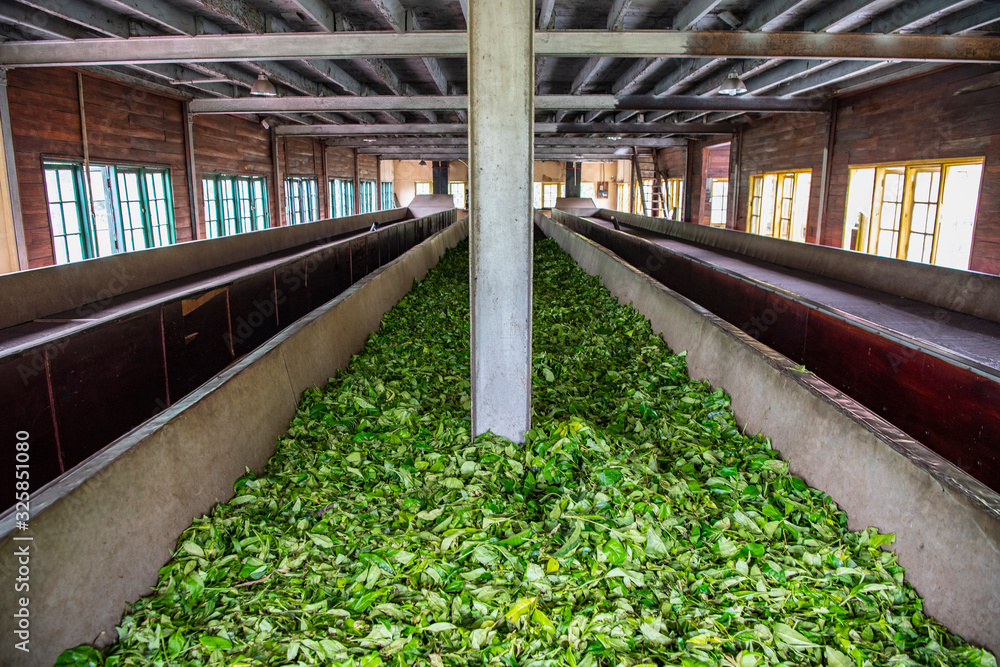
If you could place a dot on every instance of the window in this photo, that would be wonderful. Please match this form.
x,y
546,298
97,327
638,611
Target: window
x,y
675,195
779,204
130,209
367,196
302,200
65,194
920,211
424,187
719,193
342,197
623,195
387,196
234,204
546,194
457,191
587,190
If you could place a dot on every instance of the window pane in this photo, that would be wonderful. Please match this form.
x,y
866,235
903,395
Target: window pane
x,y
958,215
860,197
67,214
211,212
104,227
719,192
457,191
228,192
800,208
131,208
159,211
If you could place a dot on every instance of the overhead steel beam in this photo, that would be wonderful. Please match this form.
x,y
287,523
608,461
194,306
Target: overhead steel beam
x,y
233,48
795,45
564,43
539,151
769,16
556,102
451,142
608,129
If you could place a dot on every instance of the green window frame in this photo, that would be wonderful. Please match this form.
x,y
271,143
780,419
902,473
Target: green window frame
x,y
235,204
67,218
302,200
135,206
387,199
367,196
342,197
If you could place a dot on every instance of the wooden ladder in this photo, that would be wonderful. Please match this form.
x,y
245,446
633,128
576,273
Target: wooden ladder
x,y
644,169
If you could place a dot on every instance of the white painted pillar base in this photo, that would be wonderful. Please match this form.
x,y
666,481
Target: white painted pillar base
x,y
501,147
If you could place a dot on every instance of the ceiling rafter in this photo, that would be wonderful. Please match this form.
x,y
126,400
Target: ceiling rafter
x,y
616,20
793,77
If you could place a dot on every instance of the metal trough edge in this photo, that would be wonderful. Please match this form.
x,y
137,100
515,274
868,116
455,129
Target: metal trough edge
x,y
100,533
948,540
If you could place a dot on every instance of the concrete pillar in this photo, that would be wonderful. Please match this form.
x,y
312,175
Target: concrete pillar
x,y
440,176
501,148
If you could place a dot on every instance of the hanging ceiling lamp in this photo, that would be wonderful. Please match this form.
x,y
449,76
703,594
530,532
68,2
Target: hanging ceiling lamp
x,y
733,85
423,163
262,87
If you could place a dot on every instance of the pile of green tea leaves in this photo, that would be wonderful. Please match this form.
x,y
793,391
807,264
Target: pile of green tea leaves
x,y
637,526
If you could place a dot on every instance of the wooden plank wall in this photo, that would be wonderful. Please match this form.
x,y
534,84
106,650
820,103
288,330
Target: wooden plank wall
x,y
672,161
132,126
124,126
302,157
951,113
700,170
783,141
341,162
233,145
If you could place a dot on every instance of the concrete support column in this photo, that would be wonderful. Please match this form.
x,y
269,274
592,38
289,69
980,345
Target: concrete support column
x,y
501,148
573,172
440,176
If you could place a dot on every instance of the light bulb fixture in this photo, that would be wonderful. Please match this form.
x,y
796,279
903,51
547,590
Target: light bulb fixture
x,y
263,87
733,85
423,163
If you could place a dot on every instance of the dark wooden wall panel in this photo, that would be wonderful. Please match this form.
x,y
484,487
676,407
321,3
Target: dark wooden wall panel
x,y
196,339
106,382
24,396
253,315
124,126
367,167
233,145
341,162
672,161
784,141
